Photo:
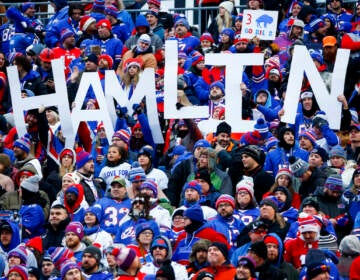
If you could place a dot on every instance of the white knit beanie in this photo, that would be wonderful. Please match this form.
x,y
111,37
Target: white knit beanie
x,y
227,5
31,184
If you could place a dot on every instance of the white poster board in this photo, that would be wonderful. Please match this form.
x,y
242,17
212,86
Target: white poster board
x,y
259,23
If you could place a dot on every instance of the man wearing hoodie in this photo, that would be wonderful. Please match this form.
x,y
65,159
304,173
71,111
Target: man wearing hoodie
x,y
198,257
264,268
162,254
71,22
143,27
286,147
9,236
275,251
195,229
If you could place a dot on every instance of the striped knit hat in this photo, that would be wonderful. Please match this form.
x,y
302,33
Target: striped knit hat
x,y
66,266
82,158
125,257
19,252
154,2
284,171
19,269
307,223
334,183
123,135
309,134
136,173
23,143
59,254
225,198
262,127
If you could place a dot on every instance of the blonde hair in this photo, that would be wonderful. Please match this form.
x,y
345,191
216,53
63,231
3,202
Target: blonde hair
x,y
128,80
224,22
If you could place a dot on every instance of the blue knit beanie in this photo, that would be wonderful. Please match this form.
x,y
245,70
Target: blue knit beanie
x,y
23,143
27,5
263,128
193,185
136,173
148,225
201,143
82,158
337,151
195,213
95,211
182,21
218,84
150,185
229,32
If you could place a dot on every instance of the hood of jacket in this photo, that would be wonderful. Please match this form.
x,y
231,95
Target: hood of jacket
x,y
141,21
280,248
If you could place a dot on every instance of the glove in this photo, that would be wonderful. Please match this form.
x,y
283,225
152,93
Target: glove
x,y
342,220
320,122
137,109
120,111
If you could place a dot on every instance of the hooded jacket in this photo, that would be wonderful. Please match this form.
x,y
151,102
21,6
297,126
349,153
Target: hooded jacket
x,y
15,237
77,211
179,270
289,213
280,156
288,269
185,241
156,42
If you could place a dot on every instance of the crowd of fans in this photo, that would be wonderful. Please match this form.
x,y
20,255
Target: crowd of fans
x,y
278,202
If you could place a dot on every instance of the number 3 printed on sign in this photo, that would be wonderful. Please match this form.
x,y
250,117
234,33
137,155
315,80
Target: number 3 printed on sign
x,y
248,19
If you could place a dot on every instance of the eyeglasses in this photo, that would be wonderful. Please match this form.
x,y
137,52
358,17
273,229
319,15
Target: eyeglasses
x,y
243,193
221,205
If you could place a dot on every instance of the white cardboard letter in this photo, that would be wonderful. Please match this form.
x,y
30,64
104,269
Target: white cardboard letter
x,y
145,87
91,79
59,99
170,88
233,101
302,62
